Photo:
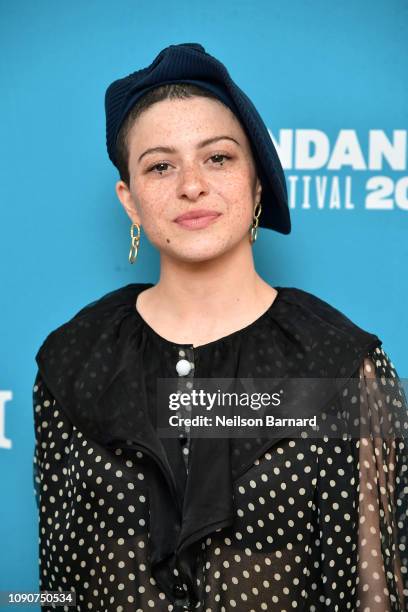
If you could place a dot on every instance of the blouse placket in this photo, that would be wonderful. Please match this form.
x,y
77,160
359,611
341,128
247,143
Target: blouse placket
x,y
185,369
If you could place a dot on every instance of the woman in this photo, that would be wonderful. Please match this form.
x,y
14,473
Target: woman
x,y
133,520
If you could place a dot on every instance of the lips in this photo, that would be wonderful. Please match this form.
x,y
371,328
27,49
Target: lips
x,y
197,219
196,214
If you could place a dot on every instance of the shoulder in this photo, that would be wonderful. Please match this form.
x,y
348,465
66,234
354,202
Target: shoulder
x,y
125,294
315,309
93,319
79,360
322,329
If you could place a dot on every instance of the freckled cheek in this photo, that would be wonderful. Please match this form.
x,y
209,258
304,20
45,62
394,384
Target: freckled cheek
x,y
156,224
236,189
240,208
152,208
155,227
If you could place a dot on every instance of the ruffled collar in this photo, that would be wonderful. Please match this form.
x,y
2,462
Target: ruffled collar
x,y
95,362
87,359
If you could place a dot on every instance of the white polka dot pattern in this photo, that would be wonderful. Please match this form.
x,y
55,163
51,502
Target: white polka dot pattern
x,y
308,524
299,541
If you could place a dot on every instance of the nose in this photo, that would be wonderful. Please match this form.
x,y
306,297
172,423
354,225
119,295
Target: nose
x,y
192,182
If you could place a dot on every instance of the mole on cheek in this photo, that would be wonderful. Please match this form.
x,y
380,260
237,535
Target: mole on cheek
x,y
167,239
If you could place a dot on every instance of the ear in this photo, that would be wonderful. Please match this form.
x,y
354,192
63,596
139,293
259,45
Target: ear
x,y
126,199
258,190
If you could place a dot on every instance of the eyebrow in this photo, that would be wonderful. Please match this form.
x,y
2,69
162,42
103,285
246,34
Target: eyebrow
x,y
200,145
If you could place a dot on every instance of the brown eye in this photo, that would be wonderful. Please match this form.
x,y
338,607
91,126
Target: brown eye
x,y
158,166
220,161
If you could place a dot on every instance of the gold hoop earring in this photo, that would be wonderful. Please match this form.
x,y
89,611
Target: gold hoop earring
x,y
254,226
135,240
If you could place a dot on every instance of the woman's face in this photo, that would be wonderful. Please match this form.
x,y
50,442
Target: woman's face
x,y
174,171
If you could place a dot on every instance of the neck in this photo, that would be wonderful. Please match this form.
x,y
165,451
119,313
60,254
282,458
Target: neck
x,y
200,294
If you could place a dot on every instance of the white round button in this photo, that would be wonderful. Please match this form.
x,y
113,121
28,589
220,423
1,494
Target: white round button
x,y
183,367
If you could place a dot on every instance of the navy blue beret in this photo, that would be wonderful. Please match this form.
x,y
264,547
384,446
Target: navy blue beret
x,y
190,63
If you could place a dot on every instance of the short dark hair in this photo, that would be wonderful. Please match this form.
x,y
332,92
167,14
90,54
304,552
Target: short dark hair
x,y
162,92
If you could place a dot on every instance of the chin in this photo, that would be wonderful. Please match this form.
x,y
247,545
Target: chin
x,y
195,254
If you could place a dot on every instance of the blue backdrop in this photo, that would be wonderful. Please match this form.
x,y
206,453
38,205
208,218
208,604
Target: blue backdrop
x,y
331,87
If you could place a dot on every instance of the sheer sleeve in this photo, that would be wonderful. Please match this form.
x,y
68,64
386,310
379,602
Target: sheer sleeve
x,y
52,432
37,443
383,487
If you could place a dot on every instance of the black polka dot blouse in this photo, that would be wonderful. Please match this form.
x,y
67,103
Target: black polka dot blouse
x,y
131,521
